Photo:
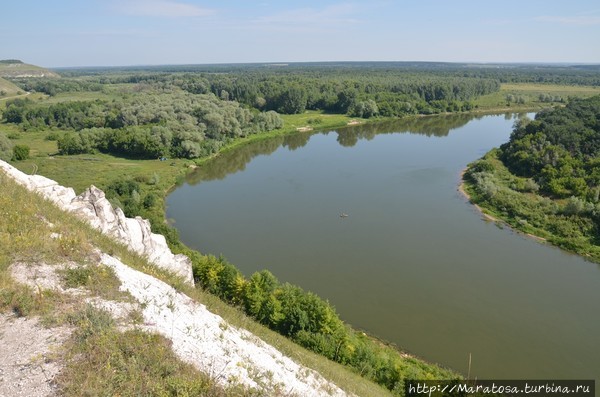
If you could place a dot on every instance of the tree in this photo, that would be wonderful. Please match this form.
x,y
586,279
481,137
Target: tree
x,y
259,299
364,109
293,100
20,152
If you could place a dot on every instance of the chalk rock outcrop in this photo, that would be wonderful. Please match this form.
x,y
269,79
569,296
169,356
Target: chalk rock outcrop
x,y
93,207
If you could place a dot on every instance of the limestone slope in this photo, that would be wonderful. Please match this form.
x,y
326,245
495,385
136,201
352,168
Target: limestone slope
x,y
93,207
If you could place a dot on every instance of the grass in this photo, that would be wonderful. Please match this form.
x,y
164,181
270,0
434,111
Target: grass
x,y
531,92
314,119
80,96
100,360
8,89
104,361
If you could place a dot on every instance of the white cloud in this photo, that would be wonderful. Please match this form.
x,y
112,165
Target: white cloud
x,y
310,18
582,20
162,8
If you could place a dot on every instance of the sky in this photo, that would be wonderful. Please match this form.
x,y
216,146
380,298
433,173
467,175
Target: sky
x,y
71,33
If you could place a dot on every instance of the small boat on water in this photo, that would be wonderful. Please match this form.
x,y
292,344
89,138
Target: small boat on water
x,y
343,215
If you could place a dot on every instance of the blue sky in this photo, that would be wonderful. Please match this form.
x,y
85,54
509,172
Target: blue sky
x,y
56,33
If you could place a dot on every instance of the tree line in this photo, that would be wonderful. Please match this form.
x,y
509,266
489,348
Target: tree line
x,y
150,124
361,91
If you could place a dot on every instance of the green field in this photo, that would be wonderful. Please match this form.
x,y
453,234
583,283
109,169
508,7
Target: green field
x,y
530,94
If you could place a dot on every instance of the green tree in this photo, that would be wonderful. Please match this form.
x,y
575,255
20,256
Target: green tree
x,y
259,299
293,100
20,152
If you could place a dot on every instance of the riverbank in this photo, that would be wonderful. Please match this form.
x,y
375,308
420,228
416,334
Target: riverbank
x,y
488,185
463,192
462,189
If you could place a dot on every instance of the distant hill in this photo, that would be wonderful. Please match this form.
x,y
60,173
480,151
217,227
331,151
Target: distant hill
x,y
8,89
13,68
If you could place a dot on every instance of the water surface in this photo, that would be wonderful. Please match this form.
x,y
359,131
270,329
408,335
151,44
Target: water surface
x,y
413,263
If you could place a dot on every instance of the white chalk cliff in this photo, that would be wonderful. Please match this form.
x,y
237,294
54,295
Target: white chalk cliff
x,y
93,207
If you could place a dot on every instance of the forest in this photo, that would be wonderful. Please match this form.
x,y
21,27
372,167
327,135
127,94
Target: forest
x,y
559,150
546,179
149,124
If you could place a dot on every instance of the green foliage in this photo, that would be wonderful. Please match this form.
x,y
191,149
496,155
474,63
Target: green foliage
x,y
20,152
20,300
571,224
559,149
125,194
365,109
6,148
152,124
150,200
90,321
52,136
79,276
309,321
575,206
390,90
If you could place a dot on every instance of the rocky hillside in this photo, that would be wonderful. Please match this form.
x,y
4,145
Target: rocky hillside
x,y
50,260
13,68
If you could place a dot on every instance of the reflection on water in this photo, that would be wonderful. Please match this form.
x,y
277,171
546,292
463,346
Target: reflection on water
x,y
412,262
233,161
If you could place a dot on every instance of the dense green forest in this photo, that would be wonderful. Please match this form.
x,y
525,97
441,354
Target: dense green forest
x,y
362,92
546,179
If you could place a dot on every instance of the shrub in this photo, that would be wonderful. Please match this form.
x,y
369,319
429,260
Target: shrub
x,y
531,186
574,206
20,152
53,136
6,148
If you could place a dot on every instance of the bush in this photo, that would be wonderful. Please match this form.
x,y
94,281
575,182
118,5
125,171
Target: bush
x,y
6,148
531,186
20,152
574,206
150,200
53,136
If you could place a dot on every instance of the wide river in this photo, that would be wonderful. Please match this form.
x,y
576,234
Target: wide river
x,y
413,262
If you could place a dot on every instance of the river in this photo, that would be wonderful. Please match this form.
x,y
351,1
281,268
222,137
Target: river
x,y
413,262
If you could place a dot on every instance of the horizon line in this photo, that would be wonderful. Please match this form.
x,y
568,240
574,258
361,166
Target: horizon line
x,y
285,63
